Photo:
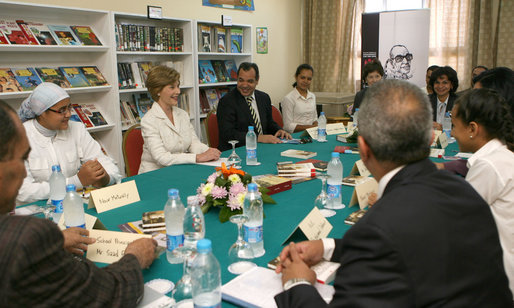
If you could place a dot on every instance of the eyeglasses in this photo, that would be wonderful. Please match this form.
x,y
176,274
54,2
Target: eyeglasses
x,y
399,58
62,110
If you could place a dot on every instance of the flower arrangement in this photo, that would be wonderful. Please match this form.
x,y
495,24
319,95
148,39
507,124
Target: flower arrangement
x,y
226,189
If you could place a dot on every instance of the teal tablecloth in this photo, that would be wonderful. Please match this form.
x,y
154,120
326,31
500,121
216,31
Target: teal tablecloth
x,y
281,218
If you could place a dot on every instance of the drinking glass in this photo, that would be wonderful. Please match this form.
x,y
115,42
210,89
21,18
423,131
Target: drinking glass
x,y
240,252
48,209
321,200
234,159
183,288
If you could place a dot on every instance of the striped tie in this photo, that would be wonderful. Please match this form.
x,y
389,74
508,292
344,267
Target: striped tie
x,y
258,127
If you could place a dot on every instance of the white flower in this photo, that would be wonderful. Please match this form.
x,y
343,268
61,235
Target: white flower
x,y
234,178
206,190
241,198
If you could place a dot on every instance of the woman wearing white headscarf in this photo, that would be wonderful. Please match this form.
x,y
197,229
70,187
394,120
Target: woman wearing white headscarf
x,y
54,140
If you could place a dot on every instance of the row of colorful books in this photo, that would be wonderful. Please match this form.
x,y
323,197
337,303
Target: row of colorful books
x,y
132,111
28,78
19,32
133,75
131,37
220,39
88,114
210,71
209,98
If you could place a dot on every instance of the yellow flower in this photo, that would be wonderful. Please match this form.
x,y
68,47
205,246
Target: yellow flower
x,y
207,189
234,178
241,198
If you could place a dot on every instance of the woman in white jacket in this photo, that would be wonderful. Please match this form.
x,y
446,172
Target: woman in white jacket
x,y
56,140
169,137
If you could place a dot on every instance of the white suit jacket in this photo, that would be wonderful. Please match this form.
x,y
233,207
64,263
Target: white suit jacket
x,y
167,144
69,148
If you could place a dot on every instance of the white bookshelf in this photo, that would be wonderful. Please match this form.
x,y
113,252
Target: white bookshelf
x,y
104,97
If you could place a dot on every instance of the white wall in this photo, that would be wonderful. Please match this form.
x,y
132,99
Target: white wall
x,y
282,18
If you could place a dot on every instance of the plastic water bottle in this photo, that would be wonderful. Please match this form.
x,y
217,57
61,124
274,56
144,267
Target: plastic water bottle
x,y
206,277
57,191
73,208
356,118
322,127
252,208
251,147
335,173
447,125
194,222
174,218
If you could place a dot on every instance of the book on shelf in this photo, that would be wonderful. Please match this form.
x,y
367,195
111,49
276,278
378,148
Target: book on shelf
x,y
298,154
42,33
144,70
26,31
206,72
74,76
130,119
212,98
74,116
133,109
64,35
8,82
83,117
136,75
204,102
130,37
273,183
94,115
354,217
231,68
13,32
236,40
183,102
143,103
49,74
220,39
220,71
222,91
94,76
86,35
125,121
3,37
178,39
204,38
27,78
319,165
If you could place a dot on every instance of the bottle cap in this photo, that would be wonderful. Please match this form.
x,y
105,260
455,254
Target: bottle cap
x,y
356,109
172,192
56,168
204,245
335,154
250,127
70,187
192,200
252,187
322,113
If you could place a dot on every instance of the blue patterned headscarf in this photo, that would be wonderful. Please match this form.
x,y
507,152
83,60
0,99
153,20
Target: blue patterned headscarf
x,y
43,97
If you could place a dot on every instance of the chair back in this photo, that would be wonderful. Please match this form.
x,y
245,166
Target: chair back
x,y
277,116
211,128
132,149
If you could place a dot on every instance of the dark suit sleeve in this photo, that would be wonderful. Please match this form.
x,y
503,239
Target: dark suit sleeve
x,y
271,126
372,274
45,273
358,99
227,122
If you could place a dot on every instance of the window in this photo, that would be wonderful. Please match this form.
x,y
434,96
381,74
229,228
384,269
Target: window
x,y
372,6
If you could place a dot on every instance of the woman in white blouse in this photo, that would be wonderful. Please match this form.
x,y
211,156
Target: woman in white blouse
x,y
169,137
299,106
483,124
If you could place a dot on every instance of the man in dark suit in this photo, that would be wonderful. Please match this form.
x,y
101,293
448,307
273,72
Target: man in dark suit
x,y
235,114
35,270
429,241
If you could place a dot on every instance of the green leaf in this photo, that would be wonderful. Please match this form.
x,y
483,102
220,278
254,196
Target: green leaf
x,y
220,181
247,178
267,199
263,190
224,214
206,207
219,202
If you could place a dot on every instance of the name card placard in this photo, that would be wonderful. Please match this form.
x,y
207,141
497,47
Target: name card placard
x,y
92,222
332,129
115,196
360,169
362,192
110,245
314,226
442,141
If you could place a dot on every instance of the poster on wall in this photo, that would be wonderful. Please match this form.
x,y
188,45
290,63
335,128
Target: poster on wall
x,y
244,5
262,39
401,44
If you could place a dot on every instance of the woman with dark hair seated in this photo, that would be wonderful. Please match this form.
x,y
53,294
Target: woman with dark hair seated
x,y
371,74
483,124
444,82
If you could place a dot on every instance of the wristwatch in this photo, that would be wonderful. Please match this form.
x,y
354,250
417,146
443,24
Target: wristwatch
x,y
295,281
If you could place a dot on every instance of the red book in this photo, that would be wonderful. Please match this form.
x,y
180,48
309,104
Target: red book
x,y
26,31
346,149
83,117
274,183
319,165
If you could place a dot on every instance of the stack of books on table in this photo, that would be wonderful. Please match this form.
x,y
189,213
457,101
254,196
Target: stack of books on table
x,y
290,170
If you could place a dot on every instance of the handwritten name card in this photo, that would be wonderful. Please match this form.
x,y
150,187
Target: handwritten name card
x,y
115,196
110,245
360,169
362,192
332,129
314,226
92,222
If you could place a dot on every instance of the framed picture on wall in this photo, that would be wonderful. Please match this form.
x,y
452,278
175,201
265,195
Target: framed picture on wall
x,y
262,39
245,5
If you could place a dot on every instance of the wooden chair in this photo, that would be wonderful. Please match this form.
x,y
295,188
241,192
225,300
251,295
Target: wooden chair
x,y
277,116
132,149
211,128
